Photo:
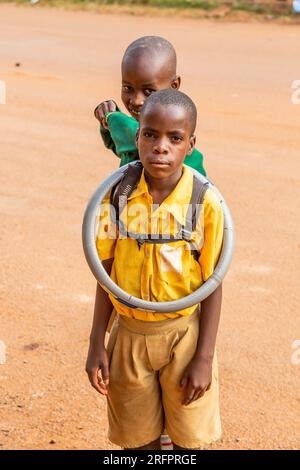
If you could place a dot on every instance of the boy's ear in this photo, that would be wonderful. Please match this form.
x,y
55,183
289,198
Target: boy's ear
x,y
137,134
192,144
176,82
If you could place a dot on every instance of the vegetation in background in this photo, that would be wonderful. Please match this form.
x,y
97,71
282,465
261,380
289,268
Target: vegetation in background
x,y
267,8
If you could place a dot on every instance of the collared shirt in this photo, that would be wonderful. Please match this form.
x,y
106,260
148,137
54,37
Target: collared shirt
x,y
163,271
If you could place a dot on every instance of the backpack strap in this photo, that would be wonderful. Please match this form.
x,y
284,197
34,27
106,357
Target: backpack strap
x,y
197,197
128,183
123,189
193,212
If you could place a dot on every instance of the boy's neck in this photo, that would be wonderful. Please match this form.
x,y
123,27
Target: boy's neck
x,y
161,188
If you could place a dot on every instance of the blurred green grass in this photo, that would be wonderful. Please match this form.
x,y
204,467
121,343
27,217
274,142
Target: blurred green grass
x,y
275,8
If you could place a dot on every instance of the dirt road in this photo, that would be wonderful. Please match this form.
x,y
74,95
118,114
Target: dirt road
x,y
240,77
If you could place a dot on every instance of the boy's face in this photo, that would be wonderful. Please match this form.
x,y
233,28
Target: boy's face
x,y
164,139
142,76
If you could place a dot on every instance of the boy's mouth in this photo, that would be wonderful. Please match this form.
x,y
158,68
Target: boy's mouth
x,y
135,112
159,163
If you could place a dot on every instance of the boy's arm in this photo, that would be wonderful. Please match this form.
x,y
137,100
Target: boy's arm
x,y
97,359
198,375
107,139
209,323
100,113
118,131
122,130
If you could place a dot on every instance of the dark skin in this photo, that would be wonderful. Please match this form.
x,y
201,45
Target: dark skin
x,y
142,75
164,139
97,360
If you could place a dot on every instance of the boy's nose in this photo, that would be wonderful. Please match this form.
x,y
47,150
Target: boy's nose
x,y
138,100
160,148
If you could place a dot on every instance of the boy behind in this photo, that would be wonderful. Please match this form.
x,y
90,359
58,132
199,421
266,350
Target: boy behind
x,y
148,65
160,370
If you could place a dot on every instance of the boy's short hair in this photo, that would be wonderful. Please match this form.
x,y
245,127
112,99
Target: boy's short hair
x,y
173,97
152,44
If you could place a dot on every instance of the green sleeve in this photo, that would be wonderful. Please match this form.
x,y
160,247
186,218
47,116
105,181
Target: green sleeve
x,y
195,160
106,136
107,140
120,138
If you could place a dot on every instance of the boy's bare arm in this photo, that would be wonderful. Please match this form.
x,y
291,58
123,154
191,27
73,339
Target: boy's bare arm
x,y
197,377
97,359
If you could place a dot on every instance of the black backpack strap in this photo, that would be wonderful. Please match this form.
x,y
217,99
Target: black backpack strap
x,y
198,193
197,197
154,239
124,188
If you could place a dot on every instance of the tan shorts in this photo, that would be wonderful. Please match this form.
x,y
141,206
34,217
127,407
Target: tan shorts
x,y
147,360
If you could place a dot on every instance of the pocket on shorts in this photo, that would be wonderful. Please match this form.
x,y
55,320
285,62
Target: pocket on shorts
x,y
113,336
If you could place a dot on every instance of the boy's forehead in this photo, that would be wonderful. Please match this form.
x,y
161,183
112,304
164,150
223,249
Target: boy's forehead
x,y
172,116
147,68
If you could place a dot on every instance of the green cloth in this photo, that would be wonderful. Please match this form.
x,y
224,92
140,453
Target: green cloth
x,y
120,138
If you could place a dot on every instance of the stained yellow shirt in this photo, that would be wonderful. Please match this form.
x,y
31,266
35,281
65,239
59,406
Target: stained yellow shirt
x,y
163,271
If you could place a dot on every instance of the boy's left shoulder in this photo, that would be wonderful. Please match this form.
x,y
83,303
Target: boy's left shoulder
x,y
210,197
211,201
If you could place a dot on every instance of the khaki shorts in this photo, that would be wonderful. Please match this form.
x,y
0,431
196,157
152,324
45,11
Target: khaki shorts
x,y
147,360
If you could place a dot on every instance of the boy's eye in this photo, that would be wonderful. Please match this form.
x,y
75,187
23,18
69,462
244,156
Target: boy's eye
x,y
176,138
148,134
127,88
148,91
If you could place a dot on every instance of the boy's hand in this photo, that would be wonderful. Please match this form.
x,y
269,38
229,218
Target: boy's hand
x,y
196,380
97,369
103,108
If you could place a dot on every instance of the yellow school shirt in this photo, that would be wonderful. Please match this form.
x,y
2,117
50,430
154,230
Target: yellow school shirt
x,y
163,271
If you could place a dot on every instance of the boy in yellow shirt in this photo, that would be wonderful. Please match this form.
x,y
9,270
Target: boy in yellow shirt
x,y
160,370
